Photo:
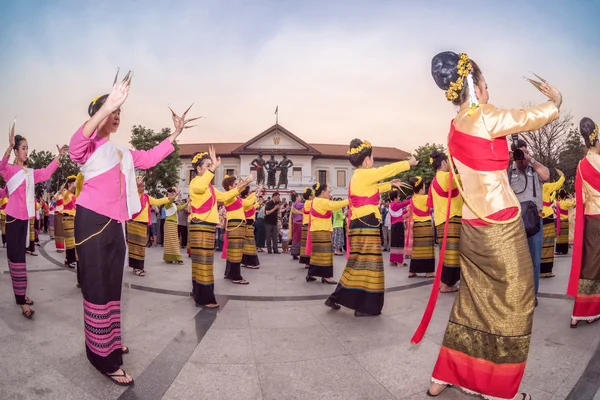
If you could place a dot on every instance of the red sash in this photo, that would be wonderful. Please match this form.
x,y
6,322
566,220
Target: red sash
x,y
250,213
435,185
477,153
355,201
143,200
236,205
316,214
592,177
70,205
208,204
547,203
417,211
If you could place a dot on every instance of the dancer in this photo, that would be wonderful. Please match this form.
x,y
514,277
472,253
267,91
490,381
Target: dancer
x,y
51,208
20,182
408,232
493,310
362,285
308,196
338,231
438,201
171,247
137,227
250,204
108,199
396,211
549,220
204,219
423,256
296,225
563,204
68,222
235,230
584,283
3,203
59,234
320,227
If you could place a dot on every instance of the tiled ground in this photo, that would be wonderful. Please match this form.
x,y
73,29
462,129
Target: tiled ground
x,y
262,349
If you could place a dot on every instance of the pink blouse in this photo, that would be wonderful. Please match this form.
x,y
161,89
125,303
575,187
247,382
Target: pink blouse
x,y
102,193
397,206
17,206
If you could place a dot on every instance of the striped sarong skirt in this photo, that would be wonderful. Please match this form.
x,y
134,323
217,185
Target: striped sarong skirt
x,y
548,247
31,235
51,225
587,300
59,235
304,258
16,238
171,249
451,268
201,241
562,240
136,243
69,234
362,284
236,235
321,259
249,256
397,243
423,253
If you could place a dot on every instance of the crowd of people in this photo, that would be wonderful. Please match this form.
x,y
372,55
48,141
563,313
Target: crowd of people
x,y
479,205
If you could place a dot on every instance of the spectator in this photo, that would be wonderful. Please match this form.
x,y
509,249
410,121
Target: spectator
x,y
271,223
182,218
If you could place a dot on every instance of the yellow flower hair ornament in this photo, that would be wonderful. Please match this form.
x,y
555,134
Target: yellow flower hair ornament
x,y
419,180
430,160
317,186
364,145
71,177
594,135
198,156
464,69
95,100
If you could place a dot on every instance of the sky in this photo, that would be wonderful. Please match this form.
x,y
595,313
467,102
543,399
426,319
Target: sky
x,y
337,69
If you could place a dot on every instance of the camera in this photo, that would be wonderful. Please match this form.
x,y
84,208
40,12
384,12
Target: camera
x,y
518,154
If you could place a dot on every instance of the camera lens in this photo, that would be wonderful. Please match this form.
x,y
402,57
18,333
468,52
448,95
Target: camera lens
x,y
518,155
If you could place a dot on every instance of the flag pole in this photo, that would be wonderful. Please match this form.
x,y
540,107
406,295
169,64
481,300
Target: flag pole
x,y
277,115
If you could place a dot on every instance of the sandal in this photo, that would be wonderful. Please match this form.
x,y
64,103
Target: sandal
x,y
139,272
452,290
574,325
428,393
116,374
592,321
251,266
241,282
125,349
32,253
212,305
412,275
28,314
525,396
28,301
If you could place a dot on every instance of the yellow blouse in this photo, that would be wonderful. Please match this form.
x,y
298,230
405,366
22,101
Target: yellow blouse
x,y
249,203
199,194
306,214
489,191
440,204
547,190
3,202
238,214
420,202
321,206
565,205
143,215
364,184
68,197
591,197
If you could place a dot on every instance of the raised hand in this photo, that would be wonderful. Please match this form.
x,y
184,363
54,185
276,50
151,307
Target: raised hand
x,y
547,89
559,172
118,94
260,188
216,161
412,161
180,122
399,184
61,151
11,134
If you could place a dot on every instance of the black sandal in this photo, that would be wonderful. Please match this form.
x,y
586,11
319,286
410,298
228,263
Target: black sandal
x,y
428,393
525,396
574,325
251,266
125,349
28,314
28,301
241,282
139,272
592,321
114,375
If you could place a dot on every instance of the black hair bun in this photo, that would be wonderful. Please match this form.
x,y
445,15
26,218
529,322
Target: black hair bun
x,y
443,69
586,126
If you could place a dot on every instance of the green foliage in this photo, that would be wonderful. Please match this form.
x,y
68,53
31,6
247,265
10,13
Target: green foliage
x,y
569,158
423,168
166,173
38,160
66,167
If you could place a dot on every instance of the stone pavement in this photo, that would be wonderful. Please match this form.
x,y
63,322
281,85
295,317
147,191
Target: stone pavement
x,y
273,339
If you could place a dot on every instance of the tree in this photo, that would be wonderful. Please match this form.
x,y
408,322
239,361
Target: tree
x,y
574,150
38,160
423,168
166,173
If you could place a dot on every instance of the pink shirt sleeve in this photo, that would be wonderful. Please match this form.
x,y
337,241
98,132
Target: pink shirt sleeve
x,y
43,174
80,147
4,162
145,159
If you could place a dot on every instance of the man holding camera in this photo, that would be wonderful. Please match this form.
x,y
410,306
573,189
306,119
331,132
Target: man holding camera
x,y
526,177
271,219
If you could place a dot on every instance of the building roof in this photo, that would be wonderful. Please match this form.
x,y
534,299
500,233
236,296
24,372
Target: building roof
x,y
317,150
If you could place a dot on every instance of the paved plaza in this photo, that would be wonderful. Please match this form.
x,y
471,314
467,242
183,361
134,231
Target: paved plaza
x,y
273,339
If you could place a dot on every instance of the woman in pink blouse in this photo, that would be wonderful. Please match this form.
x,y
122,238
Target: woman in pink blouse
x,y
107,200
20,182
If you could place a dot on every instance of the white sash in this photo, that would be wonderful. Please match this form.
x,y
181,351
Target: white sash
x,y
106,157
16,181
396,214
171,210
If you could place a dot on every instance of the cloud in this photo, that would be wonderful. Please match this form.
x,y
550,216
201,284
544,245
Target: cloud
x,y
333,78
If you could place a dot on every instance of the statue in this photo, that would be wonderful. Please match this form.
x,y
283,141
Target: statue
x,y
271,166
284,165
259,164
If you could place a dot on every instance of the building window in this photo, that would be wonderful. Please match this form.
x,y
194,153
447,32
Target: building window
x,y
341,178
323,177
297,174
230,171
191,175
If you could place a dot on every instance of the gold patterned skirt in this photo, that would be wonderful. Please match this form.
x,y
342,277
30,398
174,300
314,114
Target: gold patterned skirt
x,y
59,238
321,259
487,339
249,256
587,301
548,248
171,249
201,241
562,240
451,266
423,253
362,284
136,243
233,248
68,224
304,258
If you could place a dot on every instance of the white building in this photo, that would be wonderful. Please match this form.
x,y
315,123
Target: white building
x,y
326,163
